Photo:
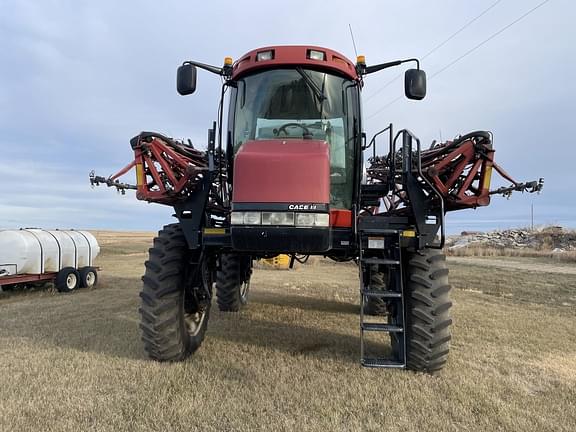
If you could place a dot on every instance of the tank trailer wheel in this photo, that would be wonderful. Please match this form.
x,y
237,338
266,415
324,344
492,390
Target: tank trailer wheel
x,y
88,277
176,296
67,279
233,282
428,303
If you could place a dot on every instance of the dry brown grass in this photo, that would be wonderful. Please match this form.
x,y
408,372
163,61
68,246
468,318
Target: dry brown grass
x,y
290,360
483,251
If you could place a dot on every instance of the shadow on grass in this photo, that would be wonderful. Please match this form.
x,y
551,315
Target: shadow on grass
x,y
293,339
105,321
304,302
102,320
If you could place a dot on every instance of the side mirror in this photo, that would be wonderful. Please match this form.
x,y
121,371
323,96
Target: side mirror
x,y
415,84
186,79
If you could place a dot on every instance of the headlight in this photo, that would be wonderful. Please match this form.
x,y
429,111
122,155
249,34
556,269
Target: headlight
x,y
313,219
305,219
237,218
277,218
322,219
280,219
245,218
252,218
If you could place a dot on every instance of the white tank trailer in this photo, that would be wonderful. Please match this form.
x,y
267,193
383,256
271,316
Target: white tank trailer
x,y
65,257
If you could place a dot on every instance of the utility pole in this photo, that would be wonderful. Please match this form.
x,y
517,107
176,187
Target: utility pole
x,y
532,216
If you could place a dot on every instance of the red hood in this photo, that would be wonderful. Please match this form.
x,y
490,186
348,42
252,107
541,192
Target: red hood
x,y
282,171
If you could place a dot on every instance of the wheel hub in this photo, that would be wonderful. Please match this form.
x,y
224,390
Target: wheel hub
x,y
194,321
71,281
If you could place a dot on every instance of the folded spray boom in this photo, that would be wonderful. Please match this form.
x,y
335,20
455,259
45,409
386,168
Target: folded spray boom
x,y
167,171
460,171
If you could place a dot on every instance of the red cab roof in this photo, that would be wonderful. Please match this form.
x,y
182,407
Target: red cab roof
x,y
295,56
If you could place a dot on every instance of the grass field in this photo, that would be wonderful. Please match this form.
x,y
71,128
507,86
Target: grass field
x,y
289,361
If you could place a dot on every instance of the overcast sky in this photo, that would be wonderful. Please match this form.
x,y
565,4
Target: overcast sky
x,y
79,78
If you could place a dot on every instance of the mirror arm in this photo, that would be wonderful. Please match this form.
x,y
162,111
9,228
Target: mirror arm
x,y
365,70
209,68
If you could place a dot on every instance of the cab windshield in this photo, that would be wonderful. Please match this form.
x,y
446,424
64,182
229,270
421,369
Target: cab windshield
x,y
300,104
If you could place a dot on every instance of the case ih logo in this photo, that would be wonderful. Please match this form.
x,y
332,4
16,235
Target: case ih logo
x,y
302,207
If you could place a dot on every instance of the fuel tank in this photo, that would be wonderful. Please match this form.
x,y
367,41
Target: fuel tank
x,y
282,171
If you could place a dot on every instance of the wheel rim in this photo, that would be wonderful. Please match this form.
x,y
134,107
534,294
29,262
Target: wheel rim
x,y
71,281
194,321
244,288
90,279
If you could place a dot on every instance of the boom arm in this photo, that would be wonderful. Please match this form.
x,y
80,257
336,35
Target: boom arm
x,y
167,171
460,170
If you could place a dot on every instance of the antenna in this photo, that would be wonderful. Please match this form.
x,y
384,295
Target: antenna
x,y
353,42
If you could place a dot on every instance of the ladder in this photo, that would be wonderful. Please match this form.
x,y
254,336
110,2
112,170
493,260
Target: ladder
x,y
380,251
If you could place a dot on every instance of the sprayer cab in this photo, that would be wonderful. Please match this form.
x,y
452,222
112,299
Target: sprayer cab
x,y
293,143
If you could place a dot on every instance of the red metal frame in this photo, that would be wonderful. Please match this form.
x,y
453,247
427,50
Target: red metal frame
x,y
25,278
162,174
454,175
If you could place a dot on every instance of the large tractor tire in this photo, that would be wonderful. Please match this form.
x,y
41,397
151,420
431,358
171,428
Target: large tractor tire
x,y
175,297
427,311
233,282
376,306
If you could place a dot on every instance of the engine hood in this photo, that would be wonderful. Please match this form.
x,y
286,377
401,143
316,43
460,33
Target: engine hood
x,y
282,171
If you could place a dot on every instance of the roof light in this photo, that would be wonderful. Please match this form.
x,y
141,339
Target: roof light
x,y
228,61
316,55
361,60
265,55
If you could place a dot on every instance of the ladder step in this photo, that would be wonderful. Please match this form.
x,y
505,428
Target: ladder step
x,y
390,328
380,261
381,293
382,363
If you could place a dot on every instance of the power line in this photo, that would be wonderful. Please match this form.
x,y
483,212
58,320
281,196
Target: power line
x,y
490,38
470,51
440,45
384,107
